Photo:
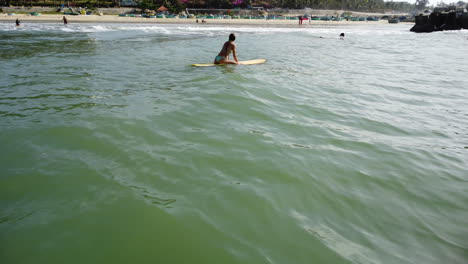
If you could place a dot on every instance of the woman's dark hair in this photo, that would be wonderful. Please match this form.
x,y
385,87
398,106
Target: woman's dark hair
x,y
232,37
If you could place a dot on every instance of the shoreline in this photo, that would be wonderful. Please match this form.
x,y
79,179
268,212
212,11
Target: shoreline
x,y
26,18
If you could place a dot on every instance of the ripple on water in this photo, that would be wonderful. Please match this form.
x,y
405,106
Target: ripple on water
x,y
332,151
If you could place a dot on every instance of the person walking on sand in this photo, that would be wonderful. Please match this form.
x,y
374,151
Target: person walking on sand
x,y
65,21
228,47
18,23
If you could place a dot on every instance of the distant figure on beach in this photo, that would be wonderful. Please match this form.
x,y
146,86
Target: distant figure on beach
x,y
342,36
197,20
65,21
300,20
228,47
18,22
203,21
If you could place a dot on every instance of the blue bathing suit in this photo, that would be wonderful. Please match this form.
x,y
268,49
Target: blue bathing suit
x,y
218,58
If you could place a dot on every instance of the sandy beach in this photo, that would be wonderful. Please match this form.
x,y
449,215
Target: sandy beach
x,y
26,18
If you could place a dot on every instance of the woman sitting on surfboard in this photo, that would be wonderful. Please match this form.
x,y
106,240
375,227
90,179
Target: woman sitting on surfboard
x,y
228,47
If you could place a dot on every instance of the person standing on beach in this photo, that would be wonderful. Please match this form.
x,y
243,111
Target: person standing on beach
x,y
65,21
300,20
18,22
228,47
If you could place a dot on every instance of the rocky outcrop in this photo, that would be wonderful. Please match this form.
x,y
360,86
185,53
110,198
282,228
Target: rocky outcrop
x,y
440,20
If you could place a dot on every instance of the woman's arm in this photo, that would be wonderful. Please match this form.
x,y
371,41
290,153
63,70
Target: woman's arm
x,y
234,53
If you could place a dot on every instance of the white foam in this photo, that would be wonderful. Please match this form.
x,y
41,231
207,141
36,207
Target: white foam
x,y
207,30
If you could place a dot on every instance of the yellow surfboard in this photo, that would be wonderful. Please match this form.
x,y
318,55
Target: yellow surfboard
x,y
247,62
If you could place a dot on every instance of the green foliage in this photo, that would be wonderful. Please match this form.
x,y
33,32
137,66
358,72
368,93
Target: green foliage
x,y
175,6
92,3
147,4
354,5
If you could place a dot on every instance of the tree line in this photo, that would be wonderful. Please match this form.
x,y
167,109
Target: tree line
x,y
352,5
177,5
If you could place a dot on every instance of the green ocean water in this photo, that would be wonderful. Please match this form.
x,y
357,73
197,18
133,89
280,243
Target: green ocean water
x,y
115,150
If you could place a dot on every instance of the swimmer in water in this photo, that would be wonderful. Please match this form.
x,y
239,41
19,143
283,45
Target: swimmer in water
x,y
228,47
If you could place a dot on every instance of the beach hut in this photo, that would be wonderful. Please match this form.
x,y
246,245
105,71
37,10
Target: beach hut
x,y
162,12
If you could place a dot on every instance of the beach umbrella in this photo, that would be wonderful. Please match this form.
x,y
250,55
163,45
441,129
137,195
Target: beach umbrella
x,y
162,9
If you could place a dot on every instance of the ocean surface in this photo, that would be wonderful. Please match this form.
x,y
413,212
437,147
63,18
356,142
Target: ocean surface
x,y
115,150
